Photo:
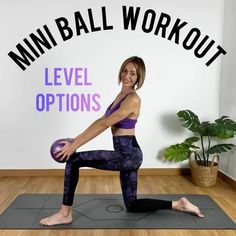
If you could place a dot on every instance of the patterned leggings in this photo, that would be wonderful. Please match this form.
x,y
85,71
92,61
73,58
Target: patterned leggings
x,y
126,158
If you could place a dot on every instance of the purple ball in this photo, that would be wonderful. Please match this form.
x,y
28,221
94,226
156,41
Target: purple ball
x,y
56,147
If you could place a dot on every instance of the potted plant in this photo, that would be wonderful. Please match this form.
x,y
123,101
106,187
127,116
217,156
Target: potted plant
x,y
203,169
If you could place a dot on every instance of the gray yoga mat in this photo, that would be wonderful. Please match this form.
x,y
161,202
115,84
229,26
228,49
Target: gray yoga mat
x,y
107,211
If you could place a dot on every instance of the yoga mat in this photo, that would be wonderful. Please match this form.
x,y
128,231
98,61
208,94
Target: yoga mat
x,y
107,211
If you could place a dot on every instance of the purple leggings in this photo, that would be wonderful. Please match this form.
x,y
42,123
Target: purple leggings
x,y
126,158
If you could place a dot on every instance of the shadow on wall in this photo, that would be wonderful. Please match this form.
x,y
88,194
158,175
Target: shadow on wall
x,y
170,123
160,156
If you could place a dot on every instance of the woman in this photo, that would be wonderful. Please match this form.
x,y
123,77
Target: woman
x,y
121,116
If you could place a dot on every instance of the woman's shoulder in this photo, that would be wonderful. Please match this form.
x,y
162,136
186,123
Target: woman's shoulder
x,y
134,97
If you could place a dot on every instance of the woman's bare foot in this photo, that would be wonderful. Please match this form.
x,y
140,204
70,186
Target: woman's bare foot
x,y
63,216
185,205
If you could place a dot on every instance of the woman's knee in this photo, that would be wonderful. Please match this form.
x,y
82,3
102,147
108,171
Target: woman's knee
x,y
72,162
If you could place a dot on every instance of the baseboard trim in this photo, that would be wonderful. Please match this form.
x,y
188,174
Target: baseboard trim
x,y
95,172
227,179
90,172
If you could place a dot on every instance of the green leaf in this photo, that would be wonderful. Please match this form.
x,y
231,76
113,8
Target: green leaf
x,y
191,140
189,120
219,148
176,152
180,152
225,127
207,129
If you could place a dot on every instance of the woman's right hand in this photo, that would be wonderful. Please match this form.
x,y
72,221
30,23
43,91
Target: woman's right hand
x,y
67,150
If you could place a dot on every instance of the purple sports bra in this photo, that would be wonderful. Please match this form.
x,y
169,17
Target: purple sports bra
x,y
126,123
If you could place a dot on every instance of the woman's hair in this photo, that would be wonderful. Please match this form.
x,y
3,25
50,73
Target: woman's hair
x,y
140,70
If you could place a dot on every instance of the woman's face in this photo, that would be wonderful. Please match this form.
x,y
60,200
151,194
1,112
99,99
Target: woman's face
x,y
128,75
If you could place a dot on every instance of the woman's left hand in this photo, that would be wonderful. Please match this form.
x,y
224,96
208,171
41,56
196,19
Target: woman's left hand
x,y
67,150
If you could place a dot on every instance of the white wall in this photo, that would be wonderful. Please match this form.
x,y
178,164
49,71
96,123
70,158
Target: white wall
x,y
176,79
228,82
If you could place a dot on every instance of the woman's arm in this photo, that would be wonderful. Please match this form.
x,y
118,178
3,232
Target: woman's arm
x,y
100,125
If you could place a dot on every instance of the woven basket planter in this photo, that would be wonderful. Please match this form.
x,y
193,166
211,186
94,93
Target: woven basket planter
x,y
204,176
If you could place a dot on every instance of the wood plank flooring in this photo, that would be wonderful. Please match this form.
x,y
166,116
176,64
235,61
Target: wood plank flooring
x,y
222,193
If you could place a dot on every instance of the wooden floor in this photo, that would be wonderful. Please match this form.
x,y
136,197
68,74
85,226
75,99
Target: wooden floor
x,y
222,193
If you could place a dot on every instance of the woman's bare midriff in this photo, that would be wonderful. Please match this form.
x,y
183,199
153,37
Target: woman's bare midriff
x,y
119,132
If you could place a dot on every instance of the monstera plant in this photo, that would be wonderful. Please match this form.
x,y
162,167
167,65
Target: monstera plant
x,y
204,171
204,132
